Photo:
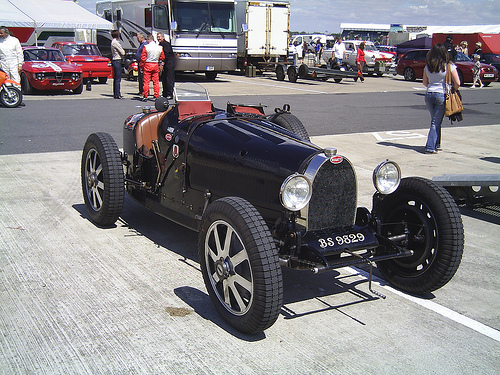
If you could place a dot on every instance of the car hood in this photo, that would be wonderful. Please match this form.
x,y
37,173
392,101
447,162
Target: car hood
x,y
50,66
79,58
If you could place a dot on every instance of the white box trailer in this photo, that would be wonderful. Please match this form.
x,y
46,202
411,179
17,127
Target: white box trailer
x,y
264,27
202,32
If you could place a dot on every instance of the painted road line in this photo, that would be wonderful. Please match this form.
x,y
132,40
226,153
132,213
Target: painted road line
x,y
278,86
441,310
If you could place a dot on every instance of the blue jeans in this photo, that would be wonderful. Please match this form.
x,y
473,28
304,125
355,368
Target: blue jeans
x,y
435,104
117,74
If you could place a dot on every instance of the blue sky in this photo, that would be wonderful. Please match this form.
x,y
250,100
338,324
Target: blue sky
x,y
327,15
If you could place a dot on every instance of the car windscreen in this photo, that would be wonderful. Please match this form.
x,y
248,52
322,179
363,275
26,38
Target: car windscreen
x,y
204,17
80,49
370,48
43,55
492,58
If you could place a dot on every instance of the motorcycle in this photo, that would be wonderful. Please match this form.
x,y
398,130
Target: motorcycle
x,y
10,96
131,67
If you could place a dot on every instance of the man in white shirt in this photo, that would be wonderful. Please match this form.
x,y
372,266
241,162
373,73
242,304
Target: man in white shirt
x,y
11,54
339,51
151,56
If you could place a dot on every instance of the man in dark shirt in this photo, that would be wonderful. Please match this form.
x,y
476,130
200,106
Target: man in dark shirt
x,y
168,74
450,47
141,38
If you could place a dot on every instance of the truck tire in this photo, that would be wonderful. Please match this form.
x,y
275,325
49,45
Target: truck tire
x,y
240,265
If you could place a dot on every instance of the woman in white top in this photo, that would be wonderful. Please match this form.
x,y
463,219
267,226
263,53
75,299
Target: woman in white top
x,y
434,79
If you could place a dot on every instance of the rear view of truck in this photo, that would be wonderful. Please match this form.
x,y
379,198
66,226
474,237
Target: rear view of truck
x,y
263,32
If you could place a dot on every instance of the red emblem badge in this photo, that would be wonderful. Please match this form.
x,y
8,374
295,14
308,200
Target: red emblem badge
x,y
337,159
175,151
168,137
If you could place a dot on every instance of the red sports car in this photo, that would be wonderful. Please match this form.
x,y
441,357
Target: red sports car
x,y
411,65
46,69
89,58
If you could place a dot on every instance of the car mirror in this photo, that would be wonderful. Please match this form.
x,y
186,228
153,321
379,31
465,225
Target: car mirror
x,y
161,104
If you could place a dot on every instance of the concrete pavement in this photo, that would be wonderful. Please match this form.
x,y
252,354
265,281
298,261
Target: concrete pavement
x,y
77,299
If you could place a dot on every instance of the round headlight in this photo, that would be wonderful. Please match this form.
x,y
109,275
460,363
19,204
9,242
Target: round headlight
x,y
295,192
386,177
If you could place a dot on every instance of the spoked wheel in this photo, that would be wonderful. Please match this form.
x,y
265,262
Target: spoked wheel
x,y
429,217
409,74
11,96
240,265
102,179
291,123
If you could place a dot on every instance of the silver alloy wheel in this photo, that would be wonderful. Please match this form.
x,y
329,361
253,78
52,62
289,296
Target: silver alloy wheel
x,y
94,179
228,267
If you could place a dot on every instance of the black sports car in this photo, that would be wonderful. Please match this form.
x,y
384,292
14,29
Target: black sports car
x,y
262,196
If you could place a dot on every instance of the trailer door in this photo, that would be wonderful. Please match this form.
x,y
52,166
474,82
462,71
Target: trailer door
x,y
278,36
257,30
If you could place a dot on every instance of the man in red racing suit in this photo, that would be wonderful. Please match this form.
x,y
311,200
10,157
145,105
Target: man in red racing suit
x,y
151,55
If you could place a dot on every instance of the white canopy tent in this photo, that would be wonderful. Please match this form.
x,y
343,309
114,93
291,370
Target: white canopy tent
x,y
49,15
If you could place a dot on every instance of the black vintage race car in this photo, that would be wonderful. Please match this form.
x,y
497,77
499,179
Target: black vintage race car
x,y
262,196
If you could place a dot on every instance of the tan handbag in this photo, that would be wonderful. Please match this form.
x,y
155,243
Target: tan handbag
x,y
453,102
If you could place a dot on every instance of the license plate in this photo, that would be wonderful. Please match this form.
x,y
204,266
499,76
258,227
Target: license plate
x,y
341,240
210,67
489,75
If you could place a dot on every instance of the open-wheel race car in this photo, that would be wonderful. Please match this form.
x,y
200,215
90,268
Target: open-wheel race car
x,y
261,196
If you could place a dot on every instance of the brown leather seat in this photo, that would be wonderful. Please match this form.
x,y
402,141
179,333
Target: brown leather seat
x,y
146,129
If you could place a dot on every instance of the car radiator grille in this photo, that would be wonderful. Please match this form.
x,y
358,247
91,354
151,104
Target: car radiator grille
x,y
334,197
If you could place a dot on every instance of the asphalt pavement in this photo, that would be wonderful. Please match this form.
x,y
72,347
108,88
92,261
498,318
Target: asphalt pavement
x,y
78,299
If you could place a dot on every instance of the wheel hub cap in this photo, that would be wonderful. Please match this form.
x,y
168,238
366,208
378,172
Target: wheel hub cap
x,y
222,268
92,180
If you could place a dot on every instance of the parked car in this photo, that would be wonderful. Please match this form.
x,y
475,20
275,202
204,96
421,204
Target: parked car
x,y
261,195
89,58
492,59
411,65
388,49
46,69
376,63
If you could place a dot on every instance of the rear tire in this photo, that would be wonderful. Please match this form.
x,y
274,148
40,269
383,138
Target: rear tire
x,y
292,123
103,183
240,265
409,74
430,216
280,73
292,74
103,80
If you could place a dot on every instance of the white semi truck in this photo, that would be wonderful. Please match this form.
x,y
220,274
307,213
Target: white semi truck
x,y
202,32
263,32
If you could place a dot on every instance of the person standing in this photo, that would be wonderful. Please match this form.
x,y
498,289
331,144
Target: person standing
x,y
478,51
168,73
339,51
11,54
450,48
117,54
360,61
151,56
141,38
434,78
464,47
476,72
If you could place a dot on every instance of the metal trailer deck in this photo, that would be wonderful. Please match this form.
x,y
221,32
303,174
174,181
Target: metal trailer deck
x,y
307,72
471,189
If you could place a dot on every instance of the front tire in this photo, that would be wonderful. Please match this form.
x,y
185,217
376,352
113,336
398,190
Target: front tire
x,y
11,96
210,76
240,265
102,179
79,89
102,80
26,87
429,216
